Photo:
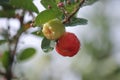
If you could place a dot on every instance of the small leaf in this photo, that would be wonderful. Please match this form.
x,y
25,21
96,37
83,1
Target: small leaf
x,y
4,13
57,1
2,41
26,54
46,45
71,7
77,21
52,3
3,1
6,8
6,5
24,4
5,59
45,16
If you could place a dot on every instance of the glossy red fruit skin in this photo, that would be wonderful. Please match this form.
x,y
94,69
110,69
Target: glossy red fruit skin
x,y
68,45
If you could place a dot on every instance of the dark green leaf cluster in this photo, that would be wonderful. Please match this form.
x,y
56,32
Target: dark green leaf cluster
x,y
56,12
9,7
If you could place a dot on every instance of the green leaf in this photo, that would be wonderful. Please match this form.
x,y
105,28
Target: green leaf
x,y
5,59
73,5
52,3
2,41
45,16
57,1
6,5
4,13
77,21
46,45
26,54
4,1
24,4
70,8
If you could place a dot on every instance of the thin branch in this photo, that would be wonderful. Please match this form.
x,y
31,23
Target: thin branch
x,y
9,74
18,34
74,12
9,41
16,43
64,11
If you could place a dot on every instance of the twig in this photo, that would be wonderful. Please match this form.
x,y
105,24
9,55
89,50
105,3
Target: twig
x,y
16,43
18,34
12,53
67,19
8,73
9,40
64,11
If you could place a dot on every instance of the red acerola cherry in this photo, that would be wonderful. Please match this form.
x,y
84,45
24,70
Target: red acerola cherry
x,y
68,44
60,4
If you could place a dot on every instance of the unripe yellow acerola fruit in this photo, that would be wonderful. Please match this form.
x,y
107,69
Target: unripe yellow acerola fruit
x,y
53,29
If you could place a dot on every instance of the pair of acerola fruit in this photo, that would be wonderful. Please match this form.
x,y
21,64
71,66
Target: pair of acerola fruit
x,y
67,43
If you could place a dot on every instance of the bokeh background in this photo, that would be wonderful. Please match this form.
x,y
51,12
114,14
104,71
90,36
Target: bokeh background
x,y
98,58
